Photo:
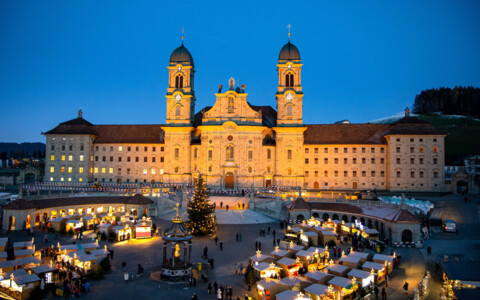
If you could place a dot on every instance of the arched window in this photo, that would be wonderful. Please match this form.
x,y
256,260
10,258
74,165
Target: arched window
x,y
289,80
195,153
177,110
229,153
289,110
210,168
179,82
231,106
269,154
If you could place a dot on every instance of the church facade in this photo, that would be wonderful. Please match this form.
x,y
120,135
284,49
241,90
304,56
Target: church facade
x,y
234,144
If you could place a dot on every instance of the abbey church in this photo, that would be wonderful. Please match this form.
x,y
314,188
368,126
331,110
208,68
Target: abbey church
x,y
234,143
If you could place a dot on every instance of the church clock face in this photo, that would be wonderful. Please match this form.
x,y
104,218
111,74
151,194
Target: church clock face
x,y
179,68
289,97
289,66
178,97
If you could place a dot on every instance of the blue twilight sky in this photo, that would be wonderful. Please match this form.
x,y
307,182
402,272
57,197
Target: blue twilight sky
x,y
363,60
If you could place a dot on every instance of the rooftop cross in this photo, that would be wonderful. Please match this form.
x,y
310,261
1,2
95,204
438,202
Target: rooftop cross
x,y
183,30
289,27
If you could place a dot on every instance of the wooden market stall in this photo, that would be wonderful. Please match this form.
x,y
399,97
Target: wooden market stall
x,y
318,276
18,284
292,295
47,272
378,270
73,225
105,228
58,224
370,233
143,230
89,221
291,266
295,283
266,270
268,288
259,257
24,245
122,232
307,237
344,285
320,292
365,279
387,260
10,265
337,270
307,256
352,262
326,236
3,256
22,253
3,244
279,253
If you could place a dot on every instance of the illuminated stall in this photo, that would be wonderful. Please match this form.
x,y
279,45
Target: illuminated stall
x,y
90,221
58,224
10,265
267,288
279,253
105,228
345,286
346,228
309,236
22,253
18,284
331,225
291,266
320,292
387,260
292,233
350,261
378,270
370,233
259,257
318,276
461,280
292,295
327,236
365,279
266,270
363,255
47,272
143,230
293,249
337,270
295,283
77,247
122,233
73,225
314,222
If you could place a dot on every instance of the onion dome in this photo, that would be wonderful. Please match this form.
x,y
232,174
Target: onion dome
x,y
289,52
181,55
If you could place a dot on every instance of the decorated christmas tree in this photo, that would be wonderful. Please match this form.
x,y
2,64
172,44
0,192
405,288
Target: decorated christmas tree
x,y
201,214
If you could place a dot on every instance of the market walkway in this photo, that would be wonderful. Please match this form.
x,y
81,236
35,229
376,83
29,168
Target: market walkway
x,y
235,216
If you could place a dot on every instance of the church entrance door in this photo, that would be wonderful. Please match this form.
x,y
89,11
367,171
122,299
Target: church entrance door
x,y
229,184
268,182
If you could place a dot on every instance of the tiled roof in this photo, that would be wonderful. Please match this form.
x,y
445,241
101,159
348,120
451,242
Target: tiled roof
x,y
148,134
21,204
345,134
269,115
74,126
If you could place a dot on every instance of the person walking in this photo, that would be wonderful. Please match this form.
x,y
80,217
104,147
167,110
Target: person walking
x,y
405,287
216,240
125,277
274,233
375,290
209,288
219,294
221,204
221,246
194,296
429,250
384,294
45,238
236,269
226,207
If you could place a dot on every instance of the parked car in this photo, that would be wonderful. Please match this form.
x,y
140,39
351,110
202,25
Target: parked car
x,y
449,226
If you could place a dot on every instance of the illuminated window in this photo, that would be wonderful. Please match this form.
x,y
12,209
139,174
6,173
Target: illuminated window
x,y
62,179
70,157
103,170
80,179
145,172
120,148
153,171
110,170
80,170
420,149
435,149
81,157
70,169
51,178
63,157
69,179
52,169
62,170
52,157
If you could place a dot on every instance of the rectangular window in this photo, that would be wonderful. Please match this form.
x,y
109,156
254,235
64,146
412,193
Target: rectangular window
x,y
250,155
434,140
316,173
325,150
382,150
316,161
136,148
398,161
104,148
335,161
315,150
111,158
161,160
104,158
325,173
420,160
129,148
210,154
354,150
52,157
363,160
119,171
345,173
52,147
104,170
435,161
136,159
382,173
128,158
69,178
63,147
96,158
128,171
306,150
81,157
120,148
363,150
63,157
145,171
398,140
325,160
372,161
335,150
420,140
412,150
81,147
420,149
354,173
372,173
435,149
269,154
412,174
153,171
96,170
177,153
306,173
289,154
70,169
336,173
154,149
145,159
80,170
364,174
153,159
399,174
52,169
119,159
162,149
412,161
96,148
354,160
62,169
145,149
372,150
80,179
421,174
306,161
110,170
382,160
398,149
345,150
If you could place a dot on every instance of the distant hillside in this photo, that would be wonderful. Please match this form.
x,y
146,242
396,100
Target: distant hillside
x,y
23,149
463,134
463,101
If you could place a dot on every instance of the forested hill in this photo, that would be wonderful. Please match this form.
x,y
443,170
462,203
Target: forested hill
x,y
463,101
22,150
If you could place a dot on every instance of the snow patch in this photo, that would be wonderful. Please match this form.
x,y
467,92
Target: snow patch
x,y
391,119
421,206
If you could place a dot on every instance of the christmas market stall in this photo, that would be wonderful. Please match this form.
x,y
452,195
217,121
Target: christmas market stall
x,y
350,261
259,257
24,245
122,232
345,286
10,265
370,233
318,276
364,278
73,225
58,224
346,228
295,283
100,253
291,266
292,295
3,244
292,233
77,247
47,272
89,221
143,229
461,278
18,284
268,288
320,292
387,260
378,270
266,270
314,222
105,229
327,236
279,253
309,238
3,256
363,255
291,247
331,225
22,253
337,270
